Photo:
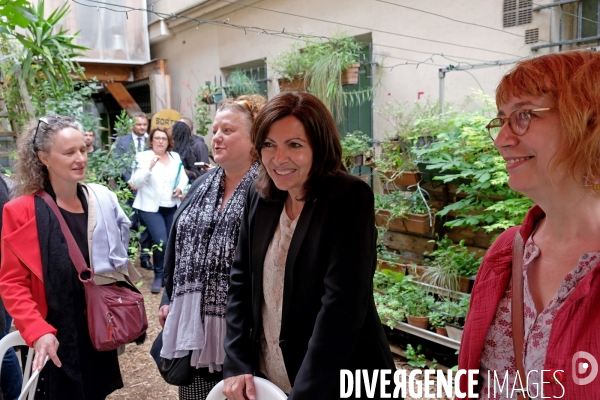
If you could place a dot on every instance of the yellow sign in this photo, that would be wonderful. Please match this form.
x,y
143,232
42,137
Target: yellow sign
x,y
165,118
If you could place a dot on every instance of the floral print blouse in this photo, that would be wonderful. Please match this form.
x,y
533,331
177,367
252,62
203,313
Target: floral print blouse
x,y
498,350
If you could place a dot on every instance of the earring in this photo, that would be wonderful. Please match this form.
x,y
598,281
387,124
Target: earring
x,y
595,185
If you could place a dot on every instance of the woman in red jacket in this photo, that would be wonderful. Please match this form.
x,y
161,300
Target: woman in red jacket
x,y
38,282
548,131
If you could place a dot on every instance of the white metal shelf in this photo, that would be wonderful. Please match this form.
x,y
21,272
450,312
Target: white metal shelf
x,y
425,334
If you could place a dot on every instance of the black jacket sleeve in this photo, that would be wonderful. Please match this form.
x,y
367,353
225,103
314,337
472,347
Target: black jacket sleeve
x,y
238,336
350,264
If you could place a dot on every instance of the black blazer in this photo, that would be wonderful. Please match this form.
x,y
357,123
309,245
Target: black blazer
x,y
329,319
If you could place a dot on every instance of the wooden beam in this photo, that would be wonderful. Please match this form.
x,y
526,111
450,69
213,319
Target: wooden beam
x,y
8,134
108,72
152,68
123,97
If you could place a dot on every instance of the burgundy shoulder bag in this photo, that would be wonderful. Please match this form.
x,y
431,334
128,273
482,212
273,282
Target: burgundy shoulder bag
x,y
116,314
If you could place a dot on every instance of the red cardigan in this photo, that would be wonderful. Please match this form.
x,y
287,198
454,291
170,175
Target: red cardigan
x,y
21,276
575,328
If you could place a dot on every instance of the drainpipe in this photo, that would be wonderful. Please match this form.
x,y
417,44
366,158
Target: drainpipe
x,y
442,76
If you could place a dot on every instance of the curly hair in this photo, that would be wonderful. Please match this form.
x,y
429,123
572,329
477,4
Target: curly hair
x,y
31,174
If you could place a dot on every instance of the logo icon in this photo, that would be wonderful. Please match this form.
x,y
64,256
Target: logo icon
x,y
579,367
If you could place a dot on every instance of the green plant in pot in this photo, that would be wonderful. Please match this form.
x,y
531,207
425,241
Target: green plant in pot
x,y
418,305
448,263
239,83
456,313
292,65
355,144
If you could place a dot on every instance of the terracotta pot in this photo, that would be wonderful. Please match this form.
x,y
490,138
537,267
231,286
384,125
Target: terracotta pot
x,y
415,223
454,332
441,331
350,76
419,322
405,178
392,266
297,84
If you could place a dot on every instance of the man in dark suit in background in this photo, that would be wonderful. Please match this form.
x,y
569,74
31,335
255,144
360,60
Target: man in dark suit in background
x,y
133,143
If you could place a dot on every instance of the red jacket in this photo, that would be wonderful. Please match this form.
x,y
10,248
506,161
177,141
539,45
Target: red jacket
x,y
21,276
575,328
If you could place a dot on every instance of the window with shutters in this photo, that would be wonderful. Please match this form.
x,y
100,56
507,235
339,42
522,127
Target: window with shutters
x,y
517,12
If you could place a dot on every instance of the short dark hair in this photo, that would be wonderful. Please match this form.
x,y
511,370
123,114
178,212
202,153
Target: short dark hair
x,y
139,114
166,132
322,133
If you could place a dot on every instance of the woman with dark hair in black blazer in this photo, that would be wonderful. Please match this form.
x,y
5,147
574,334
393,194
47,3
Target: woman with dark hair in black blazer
x,y
300,304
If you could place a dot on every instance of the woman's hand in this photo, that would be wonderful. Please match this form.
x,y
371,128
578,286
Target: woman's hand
x,y
153,161
177,192
239,387
46,345
163,311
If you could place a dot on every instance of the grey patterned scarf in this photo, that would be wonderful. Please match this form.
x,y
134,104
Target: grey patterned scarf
x,y
205,242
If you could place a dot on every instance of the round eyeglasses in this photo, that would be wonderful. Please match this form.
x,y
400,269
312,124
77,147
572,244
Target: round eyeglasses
x,y
518,121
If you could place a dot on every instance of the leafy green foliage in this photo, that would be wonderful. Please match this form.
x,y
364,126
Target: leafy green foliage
x,y
72,104
463,149
415,357
321,65
401,203
48,55
354,144
448,263
123,123
15,13
239,84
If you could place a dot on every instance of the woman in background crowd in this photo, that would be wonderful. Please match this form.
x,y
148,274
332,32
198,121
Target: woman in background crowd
x,y
537,313
159,178
201,248
182,138
300,304
39,284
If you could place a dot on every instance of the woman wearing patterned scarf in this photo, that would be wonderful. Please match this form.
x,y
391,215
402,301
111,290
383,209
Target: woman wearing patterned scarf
x,y
201,247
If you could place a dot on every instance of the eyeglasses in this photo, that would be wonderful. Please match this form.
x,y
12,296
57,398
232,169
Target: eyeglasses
x,y
160,139
518,121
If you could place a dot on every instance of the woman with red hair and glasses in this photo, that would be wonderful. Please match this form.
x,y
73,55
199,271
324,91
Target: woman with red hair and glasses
x,y
534,307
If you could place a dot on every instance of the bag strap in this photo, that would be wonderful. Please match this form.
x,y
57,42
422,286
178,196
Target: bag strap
x,y
74,252
177,176
518,331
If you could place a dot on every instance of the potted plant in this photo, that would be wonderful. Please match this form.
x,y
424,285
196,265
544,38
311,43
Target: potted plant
x,y
388,294
396,166
456,312
451,266
390,261
418,304
291,67
397,211
239,83
210,93
355,148
437,321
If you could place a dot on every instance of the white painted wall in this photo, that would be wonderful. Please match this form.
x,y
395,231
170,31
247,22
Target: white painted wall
x,y
196,54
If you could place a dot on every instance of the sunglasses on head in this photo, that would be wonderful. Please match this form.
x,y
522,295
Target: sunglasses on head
x,y
49,120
